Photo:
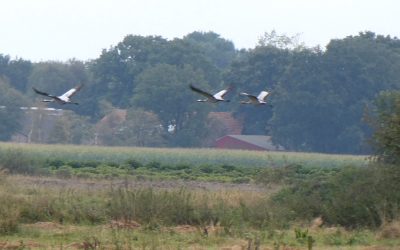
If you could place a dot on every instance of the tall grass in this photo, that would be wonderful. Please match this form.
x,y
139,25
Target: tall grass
x,y
216,215
82,204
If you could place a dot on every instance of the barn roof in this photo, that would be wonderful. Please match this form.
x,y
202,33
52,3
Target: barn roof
x,y
262,141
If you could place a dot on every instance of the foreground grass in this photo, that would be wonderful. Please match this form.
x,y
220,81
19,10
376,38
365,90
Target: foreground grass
x,y
49,235
52,213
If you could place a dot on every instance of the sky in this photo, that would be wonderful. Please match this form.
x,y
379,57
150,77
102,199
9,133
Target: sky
x,y
59,30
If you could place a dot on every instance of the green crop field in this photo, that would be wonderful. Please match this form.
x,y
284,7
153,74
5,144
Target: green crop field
x,y
201,164
176,156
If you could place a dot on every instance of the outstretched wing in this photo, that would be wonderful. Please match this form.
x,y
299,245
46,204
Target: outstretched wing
x,y
201,92
221,94
72,91
42,93
263,95
251,97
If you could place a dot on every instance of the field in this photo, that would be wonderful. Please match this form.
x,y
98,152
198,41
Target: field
x,y
160,163
177,156
227,204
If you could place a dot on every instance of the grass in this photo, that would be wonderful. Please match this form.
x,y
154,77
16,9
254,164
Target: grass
x,y
233,166
53,213
176,156
55,236
156,198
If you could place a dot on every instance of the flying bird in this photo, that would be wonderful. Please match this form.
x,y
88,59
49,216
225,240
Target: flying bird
x,y
218,97
256,100
62,99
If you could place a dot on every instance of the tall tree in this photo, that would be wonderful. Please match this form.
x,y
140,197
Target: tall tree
x,y
11,115
220,51
358,68
256,70
116,70
56,78
71,128
384,118
142,128
164,90
321,99
16,71
305,106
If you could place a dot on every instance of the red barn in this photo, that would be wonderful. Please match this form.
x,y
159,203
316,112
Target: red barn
x,y
247,142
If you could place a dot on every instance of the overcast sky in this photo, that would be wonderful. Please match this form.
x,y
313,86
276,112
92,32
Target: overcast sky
x,y
41,30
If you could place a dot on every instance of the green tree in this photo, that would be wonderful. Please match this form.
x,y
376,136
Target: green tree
x,y
164,90
70,128
256,70
220,51
56,78
385,120
319,104
16,71
117,68
11,116
281,41
59,134
303,114
116,71
180,52
141,128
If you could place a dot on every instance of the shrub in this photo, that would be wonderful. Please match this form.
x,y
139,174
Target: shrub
x,y
133,163
385,121
9,214
351,197
64,172
390,230
16,161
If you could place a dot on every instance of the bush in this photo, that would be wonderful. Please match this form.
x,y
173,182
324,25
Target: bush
x,y
16,161
64,172
390,230
385,121
9,214
353,197
148,205
133,163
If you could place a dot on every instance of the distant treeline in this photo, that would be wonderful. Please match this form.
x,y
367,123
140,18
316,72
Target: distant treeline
x,y
319,96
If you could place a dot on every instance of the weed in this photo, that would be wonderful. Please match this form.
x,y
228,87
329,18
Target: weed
x,y
9,214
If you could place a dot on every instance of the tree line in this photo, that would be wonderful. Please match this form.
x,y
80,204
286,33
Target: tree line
x,y
319,96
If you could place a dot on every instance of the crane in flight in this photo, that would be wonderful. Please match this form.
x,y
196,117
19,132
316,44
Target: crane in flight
x,y
261,99
61,99
213,98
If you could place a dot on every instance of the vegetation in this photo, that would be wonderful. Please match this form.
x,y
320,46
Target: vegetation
x,y
106,194
293,205
158,162
10,114
318,96
137,197
385,119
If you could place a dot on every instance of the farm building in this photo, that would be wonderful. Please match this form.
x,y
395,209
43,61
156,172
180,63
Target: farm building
x,y
247,142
